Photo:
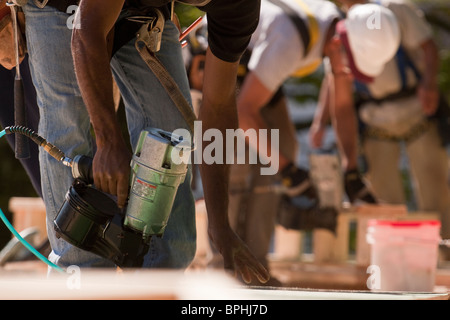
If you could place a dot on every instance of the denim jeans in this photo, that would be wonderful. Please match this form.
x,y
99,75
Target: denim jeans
x,y
31,165
64,121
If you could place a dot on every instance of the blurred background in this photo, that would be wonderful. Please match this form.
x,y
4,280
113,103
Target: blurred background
x,y
302,93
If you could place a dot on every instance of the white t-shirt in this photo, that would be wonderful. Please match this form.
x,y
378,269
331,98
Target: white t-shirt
x,y
414,31
277,50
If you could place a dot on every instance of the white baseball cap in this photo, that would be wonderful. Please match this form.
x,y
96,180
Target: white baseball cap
x,y
371,35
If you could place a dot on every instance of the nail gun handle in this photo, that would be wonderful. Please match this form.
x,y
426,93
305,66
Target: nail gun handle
x,y
82,168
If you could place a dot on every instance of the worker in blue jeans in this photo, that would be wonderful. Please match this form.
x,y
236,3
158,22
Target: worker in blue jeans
x,y
70,101
31,164
7,111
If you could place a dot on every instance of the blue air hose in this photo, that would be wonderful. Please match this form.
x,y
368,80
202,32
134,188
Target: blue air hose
x,y
22,240
27,245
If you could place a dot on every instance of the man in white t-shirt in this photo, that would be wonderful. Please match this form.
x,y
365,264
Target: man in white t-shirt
x,y
278,51
395,108
275,53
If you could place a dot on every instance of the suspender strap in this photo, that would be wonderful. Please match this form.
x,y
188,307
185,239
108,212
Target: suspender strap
x,y
314,30
169,84
144,45
309,34
298,22
403,63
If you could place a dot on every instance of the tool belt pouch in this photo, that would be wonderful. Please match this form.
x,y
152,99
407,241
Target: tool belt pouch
x,y
7,44
395,117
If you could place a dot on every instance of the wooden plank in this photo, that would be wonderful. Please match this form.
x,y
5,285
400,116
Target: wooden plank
x,y
29,212
331,276
22,281
345,276
287,244
312,294
329,247
172,285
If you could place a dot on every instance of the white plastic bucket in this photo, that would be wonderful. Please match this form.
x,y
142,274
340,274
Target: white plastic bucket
x,y
405,254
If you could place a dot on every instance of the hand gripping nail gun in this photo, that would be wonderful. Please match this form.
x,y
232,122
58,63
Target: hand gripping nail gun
x,y
90,219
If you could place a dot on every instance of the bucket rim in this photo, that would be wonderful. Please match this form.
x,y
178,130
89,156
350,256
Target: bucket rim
x,y
403,223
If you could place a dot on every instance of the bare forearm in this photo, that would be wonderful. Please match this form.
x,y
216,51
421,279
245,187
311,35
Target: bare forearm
x,y
91,54
431,57
428,90
94,77
216,193
215,176
345,121
252,98
342,109
91,59
322,114
218,112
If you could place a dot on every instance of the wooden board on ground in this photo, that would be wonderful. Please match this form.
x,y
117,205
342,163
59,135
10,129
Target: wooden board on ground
x,y
168,285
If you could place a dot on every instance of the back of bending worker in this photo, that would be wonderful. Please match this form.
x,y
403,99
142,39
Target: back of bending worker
x,y
69,104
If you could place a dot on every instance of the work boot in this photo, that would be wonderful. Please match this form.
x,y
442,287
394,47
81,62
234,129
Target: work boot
x,y
297,182
356,189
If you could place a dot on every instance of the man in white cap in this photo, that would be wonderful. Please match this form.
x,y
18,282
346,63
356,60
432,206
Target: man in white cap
x,y
396,100
370,37
277,54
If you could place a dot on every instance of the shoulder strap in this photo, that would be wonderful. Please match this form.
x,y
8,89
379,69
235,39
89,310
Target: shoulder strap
x,y
146,48
314,30
403,63
308,35
302,28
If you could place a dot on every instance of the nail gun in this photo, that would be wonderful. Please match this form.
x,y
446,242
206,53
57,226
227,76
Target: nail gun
x,y
90,219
